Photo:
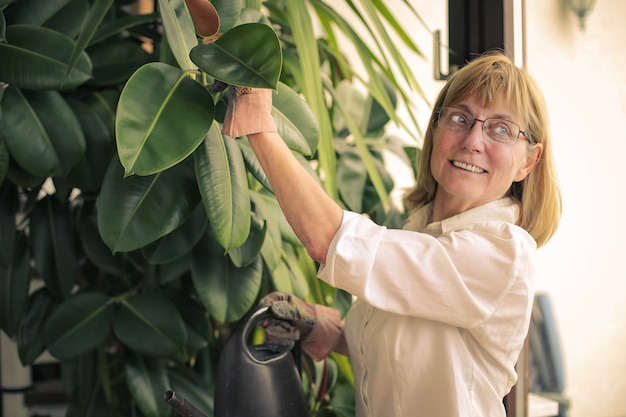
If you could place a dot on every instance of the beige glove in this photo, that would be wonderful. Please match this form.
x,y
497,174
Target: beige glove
x,y
249,111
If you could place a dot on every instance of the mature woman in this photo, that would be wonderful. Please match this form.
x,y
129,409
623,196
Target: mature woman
x,y
443,306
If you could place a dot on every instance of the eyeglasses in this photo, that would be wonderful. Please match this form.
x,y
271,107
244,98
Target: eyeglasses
x,y
459,120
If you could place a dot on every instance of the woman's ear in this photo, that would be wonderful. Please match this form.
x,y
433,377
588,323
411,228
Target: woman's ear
x,y
533,158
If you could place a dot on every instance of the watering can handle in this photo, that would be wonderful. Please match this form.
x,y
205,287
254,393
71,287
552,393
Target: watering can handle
x,y
183,407
258,314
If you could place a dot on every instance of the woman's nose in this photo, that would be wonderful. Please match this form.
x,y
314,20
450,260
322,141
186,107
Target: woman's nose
x,y
474,139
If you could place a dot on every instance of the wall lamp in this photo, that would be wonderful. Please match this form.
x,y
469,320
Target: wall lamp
x,y
581,8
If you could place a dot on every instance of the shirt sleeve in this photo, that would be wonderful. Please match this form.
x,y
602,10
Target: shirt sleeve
x,y
459,277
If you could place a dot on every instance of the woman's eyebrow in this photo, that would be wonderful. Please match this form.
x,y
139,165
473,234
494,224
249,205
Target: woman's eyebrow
x,y
507,116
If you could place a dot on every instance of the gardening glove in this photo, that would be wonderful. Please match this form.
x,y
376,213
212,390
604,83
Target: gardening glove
x,y
249,111
293,319
319,328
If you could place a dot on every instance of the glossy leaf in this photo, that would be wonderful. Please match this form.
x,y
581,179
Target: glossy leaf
x,y
54,246
266,208
352,177
250,250
179,242
176,269
150,324
136,211
179,29
88,174
96,250
96,14
14,286
147,382
30,342
197,322
248,54
162,117
225,291
42,132
295,121
229,11
78,325
223,184
37,58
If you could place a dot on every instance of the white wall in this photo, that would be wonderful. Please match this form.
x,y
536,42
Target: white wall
x,y
583,77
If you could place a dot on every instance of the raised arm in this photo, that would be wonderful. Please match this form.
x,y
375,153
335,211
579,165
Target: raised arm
x,y
313,215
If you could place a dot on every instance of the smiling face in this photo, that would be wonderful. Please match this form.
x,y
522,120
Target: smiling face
x,y
471,169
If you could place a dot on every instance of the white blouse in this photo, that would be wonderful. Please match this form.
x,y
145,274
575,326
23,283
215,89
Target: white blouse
x,y
442,310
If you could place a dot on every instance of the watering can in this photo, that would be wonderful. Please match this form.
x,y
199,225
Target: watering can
x,y
254,380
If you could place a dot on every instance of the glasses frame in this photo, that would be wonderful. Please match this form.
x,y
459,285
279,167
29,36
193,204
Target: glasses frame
x,y
483,121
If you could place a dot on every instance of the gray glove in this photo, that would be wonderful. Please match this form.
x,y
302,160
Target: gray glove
x,y
294,319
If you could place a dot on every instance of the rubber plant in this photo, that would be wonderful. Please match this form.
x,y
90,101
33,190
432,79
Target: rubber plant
x,y
133,234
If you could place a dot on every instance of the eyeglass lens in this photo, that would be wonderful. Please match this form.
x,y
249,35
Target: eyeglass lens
x,y
458,120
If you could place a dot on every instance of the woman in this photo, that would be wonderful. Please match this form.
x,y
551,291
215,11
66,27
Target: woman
x,y
443,306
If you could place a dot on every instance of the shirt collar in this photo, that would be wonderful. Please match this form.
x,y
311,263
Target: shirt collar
x,y
502,210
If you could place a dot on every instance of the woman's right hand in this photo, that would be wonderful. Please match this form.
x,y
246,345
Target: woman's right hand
x,y
294,319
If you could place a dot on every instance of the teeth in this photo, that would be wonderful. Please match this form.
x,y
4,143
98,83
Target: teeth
x,y
468,167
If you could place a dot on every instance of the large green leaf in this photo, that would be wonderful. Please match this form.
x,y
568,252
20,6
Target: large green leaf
x,y
150,324
100,144
295,121
42,132
179,242
352,177
96,13
30,342
54,245
197,323
226,291
37,58
14,285
221,176
228,11
78,325
147,381
248,54
135,211
179,29
250,250
162,116
96,250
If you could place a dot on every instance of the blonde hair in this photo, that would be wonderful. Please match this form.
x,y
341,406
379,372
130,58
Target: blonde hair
x,y
494,77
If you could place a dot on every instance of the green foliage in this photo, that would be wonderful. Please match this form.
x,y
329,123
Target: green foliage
x,y
144,232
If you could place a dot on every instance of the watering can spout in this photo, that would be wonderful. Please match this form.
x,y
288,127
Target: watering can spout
x,y
183,407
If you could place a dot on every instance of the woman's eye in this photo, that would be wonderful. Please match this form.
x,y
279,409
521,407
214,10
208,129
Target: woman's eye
x,y
458,118
501,129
